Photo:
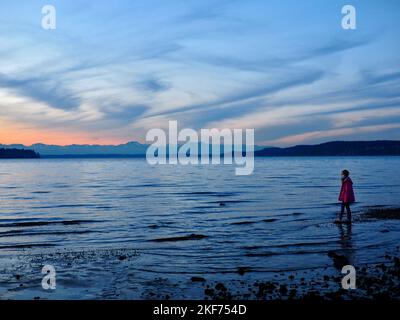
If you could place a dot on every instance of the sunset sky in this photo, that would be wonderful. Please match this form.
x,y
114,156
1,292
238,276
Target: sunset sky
x,y
112,70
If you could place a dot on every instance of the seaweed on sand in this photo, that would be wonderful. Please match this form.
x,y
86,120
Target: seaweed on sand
x,y
381,214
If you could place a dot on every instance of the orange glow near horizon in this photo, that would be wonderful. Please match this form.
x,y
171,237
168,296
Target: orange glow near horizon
x,y
29,136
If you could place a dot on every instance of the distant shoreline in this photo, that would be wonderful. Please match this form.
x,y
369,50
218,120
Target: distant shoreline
x,y
336,148
142,156
137,150
18,154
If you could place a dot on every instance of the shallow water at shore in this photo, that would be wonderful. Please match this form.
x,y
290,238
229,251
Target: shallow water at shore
x,y
120,228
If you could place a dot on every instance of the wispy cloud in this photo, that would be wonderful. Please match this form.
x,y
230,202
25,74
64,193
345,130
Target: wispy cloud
x,y
119,69
330,134
49,91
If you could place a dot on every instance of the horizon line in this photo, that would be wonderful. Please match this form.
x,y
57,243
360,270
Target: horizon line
x,y
146,144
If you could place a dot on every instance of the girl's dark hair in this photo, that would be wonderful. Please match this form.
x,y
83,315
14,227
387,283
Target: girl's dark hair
x,y
346,172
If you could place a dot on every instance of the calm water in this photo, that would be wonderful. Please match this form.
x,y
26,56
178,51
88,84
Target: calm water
x,y
279,218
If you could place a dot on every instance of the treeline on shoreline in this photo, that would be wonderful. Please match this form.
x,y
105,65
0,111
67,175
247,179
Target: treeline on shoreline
x,y
336,148
18,154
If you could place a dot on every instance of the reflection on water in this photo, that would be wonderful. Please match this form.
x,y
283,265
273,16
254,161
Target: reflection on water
x,y
200,219
346,242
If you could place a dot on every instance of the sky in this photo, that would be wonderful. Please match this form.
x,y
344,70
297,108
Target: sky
x,y
112,70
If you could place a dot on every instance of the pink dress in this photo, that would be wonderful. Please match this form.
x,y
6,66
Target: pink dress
x,y
346,192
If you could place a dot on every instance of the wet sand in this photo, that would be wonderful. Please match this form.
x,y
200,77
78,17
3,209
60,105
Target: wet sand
x,y
104,274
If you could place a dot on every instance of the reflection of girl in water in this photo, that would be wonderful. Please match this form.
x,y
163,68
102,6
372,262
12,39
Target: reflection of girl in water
x,y
346,255
346,195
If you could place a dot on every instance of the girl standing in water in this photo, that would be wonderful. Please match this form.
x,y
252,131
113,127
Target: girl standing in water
x,y
346,195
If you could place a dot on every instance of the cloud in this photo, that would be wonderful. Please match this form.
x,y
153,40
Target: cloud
x,y
335,46
123,115
330,134
51,92
343,119
276,62
258,91
153,85
372,78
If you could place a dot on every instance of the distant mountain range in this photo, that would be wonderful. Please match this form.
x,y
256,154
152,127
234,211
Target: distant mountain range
x,y
336,148
136,149
130,149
